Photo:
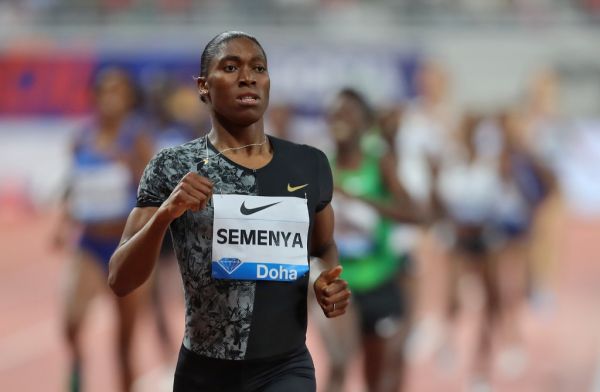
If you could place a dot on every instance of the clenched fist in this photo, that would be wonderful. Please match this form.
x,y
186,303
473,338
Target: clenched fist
x,y
332,292
191,193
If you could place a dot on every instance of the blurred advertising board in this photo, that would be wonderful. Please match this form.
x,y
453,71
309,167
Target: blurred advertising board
x,y
58,84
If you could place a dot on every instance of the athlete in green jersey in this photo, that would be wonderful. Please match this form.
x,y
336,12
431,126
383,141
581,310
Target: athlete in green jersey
x,y
365,210
365,254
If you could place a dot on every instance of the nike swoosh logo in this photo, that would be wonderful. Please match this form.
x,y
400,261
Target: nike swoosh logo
x,y
250,211
296,188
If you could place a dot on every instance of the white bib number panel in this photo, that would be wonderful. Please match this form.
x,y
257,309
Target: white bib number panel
x,y
259,238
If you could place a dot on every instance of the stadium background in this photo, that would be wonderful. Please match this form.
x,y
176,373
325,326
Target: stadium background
x,y
49,49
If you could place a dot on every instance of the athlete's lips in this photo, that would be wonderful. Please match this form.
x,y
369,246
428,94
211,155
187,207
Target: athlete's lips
x,y
248,99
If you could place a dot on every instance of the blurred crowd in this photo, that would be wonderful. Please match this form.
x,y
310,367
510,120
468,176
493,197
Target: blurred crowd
x,y
440,211
446,212
525,11
470,186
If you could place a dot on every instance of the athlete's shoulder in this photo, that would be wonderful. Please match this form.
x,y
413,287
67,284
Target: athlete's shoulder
x,y
84,134
183,151
289,148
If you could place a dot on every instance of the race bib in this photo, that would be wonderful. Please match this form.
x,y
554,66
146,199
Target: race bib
x,y
259,238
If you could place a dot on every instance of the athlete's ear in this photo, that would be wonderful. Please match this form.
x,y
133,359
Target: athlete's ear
x,y
202,88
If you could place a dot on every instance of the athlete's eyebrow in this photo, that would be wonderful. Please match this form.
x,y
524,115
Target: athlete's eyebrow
x,y
235,58
230,58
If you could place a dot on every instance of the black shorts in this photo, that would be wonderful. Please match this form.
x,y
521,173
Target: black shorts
x,y
471,240
474,246
293,372
382,303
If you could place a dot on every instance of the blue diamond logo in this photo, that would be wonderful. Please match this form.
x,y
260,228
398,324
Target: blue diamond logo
x,y
230,264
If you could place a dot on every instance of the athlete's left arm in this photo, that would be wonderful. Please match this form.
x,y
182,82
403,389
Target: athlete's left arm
x,y
331,291
401,207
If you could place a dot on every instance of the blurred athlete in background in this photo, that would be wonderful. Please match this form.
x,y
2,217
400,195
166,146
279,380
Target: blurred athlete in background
x,y
368,197
109,155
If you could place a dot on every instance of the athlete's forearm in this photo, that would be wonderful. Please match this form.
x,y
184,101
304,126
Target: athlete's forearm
x,y
133,261
328,253
396,212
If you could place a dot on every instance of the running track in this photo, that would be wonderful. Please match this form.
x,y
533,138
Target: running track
x,y
563,340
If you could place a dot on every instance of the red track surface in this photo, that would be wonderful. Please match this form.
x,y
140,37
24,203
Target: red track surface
x,y
562,340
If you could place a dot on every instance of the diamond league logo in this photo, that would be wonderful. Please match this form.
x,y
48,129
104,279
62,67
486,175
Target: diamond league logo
x,y
230,264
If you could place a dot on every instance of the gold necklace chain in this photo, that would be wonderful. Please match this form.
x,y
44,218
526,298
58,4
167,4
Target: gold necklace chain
x,y
230,148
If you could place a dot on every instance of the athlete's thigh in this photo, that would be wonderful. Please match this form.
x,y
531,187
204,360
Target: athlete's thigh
x,y
84,279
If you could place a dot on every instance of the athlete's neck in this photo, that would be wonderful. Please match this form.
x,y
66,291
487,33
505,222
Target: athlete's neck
x,y
110,125
349,156
231,137
251,149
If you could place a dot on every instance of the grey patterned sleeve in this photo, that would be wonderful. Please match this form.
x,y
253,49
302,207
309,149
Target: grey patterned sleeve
x,y
153,189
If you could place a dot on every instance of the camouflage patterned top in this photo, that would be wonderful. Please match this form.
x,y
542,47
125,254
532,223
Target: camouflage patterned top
x,y
229,319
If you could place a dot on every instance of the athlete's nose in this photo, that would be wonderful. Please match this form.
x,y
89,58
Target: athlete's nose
x,y
246,77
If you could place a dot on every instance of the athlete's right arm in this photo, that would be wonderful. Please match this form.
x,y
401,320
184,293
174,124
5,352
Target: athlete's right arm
x,y
133,261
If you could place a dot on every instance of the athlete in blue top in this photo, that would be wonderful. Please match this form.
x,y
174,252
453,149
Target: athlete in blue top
x,y
109,155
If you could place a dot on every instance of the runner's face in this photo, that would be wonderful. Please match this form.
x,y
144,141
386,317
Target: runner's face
x,y
346,121
114,96
238,82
